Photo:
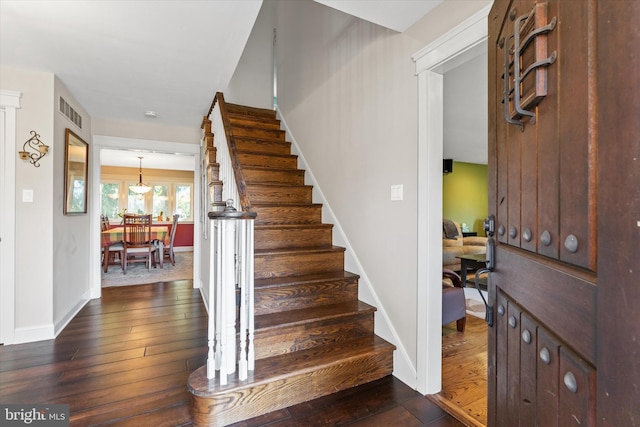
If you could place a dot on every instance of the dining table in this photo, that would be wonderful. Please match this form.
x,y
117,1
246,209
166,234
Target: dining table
x,y
159,234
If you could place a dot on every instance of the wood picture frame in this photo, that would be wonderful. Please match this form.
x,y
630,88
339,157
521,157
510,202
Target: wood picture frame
x,y
76,174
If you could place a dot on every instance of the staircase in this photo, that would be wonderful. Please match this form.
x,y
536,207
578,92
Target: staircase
x,y
313,337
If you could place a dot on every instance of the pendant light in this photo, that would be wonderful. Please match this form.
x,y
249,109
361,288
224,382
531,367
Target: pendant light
x,y
140,187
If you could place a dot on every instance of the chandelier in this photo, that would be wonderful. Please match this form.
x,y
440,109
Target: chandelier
x,y
140,187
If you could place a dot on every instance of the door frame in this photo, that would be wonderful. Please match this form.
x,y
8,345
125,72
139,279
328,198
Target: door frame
x,y
9,103
448,51
138,145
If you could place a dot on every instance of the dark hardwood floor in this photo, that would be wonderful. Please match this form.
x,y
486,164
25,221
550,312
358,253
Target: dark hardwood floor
x,y
125,358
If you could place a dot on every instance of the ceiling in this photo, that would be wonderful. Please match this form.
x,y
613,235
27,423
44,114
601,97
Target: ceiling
x,y
120,58
396,15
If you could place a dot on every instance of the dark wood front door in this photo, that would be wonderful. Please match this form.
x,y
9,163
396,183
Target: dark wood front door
x,y
554,198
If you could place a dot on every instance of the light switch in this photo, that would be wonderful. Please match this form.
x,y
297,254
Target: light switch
x,y
396,192
27,196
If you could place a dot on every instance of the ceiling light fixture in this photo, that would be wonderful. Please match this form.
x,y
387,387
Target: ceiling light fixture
x,y
150,114
140,187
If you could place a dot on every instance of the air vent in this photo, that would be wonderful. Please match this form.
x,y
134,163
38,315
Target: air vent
x,y
70,113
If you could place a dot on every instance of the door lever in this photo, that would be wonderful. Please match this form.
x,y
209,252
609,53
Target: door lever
x,y
488,311
489,227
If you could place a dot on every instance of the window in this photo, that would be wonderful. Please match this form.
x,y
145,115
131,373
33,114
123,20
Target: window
x,y
166,199
109,199
136,203
160,201
183,201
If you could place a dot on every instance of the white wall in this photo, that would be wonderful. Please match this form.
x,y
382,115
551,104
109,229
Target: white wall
x,y
145,131
70,233
34,221
348,92
252,82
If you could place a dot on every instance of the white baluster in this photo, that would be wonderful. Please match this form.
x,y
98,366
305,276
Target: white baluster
x,y
242,282
217,300
229,296
211,337
250,292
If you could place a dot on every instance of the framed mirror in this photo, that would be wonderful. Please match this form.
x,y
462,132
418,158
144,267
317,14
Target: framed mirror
x,y
76,173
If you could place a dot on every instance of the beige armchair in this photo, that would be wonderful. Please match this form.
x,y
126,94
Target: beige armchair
x,y
452,248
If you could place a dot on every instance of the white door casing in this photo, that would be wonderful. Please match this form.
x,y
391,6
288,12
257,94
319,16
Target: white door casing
x,y
443,54
9,103
101,141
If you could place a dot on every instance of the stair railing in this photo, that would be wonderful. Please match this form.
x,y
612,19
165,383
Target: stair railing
x,y
230,172
231,323
232,272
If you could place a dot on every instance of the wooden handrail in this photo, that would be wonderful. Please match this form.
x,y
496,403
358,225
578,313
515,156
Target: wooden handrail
x,y
245,203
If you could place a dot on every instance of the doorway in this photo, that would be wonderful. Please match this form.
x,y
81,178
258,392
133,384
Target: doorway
x,y
448,51
136,146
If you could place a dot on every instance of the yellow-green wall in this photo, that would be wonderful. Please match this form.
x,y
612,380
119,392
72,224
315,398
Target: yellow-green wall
x,y
465,195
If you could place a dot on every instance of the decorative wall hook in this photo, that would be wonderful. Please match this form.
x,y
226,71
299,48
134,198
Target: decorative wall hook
x,y
33,149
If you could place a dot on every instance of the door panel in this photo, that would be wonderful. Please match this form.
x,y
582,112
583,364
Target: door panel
x,y
547,380
542,145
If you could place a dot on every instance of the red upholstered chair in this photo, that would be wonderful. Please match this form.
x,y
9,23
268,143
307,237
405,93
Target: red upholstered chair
x,y
453,302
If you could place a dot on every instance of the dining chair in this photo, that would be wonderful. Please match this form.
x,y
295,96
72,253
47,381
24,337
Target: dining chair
x,y
138,246
115,249
168,251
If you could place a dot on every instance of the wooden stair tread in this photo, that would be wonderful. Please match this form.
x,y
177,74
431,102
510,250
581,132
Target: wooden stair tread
x,y
275,205
309,315
285,251
274,169
267,185
262,140
250,111
304,279
264,153
291,226
279,367
256,117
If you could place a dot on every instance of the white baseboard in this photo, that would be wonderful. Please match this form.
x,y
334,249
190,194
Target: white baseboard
x,y
62,322
33,334
403,369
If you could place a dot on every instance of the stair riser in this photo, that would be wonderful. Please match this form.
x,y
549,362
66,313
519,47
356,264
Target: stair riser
x,y
258,132
291,238
285,340
303,214
263,398
301,296
264,160
242,120
293,264
267,146
279,194
278,176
